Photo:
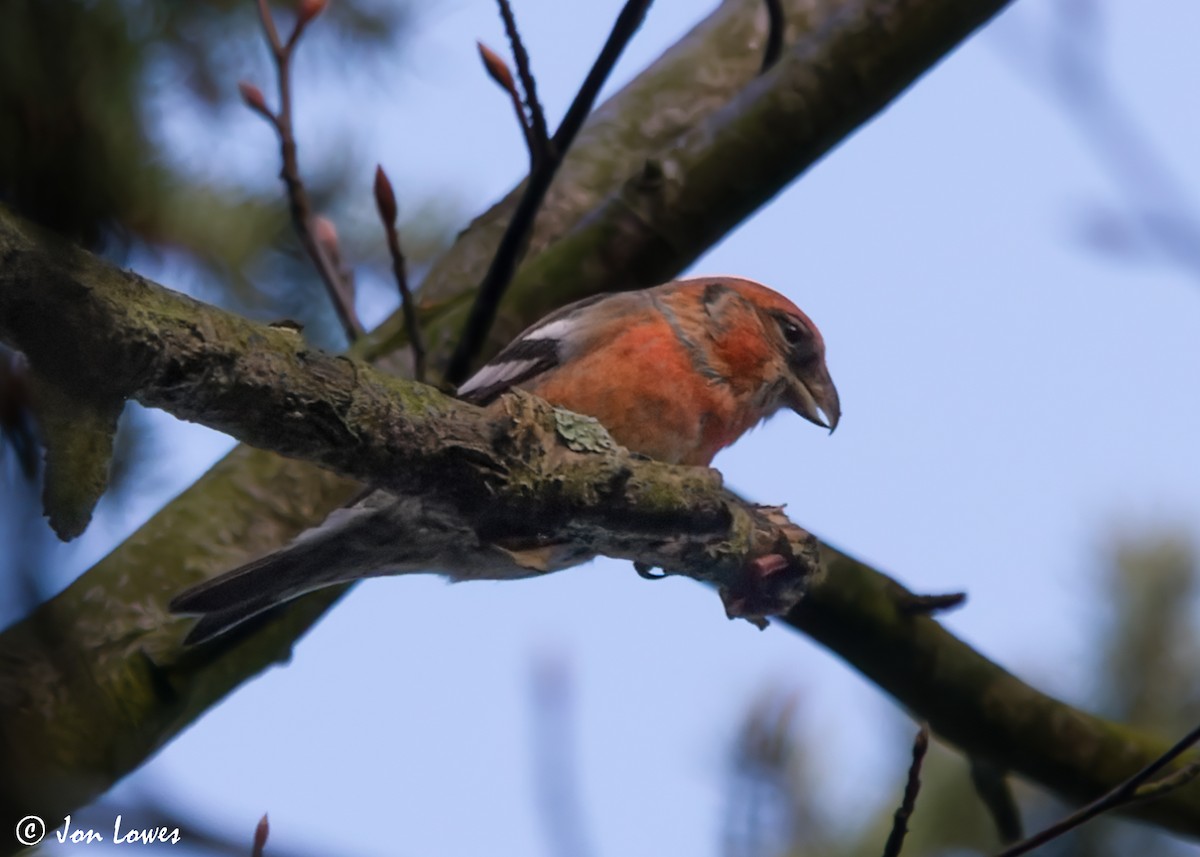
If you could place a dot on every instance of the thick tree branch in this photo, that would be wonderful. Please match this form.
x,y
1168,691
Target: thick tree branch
x,y
520,470
495,485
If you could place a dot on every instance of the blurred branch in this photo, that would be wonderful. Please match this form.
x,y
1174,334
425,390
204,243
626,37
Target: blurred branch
x,y
337,285
516,237
1139,787
771,793
912,787
994,791
555,775
1071,71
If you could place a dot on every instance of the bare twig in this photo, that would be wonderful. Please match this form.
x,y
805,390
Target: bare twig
x,y
1136,788
776,23
539,137
912,788
336,285
991,784
516,236
385,201
498,71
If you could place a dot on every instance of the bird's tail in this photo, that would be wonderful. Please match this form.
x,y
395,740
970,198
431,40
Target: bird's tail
x,y
318,558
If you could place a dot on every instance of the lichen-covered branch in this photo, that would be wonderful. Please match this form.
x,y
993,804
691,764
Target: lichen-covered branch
x,y
495,487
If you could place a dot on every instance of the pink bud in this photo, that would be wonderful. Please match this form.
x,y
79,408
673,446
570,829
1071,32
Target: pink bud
x,y
325,234
309,9
253,97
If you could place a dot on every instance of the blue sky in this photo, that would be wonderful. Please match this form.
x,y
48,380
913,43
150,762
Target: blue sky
x,y
1014,399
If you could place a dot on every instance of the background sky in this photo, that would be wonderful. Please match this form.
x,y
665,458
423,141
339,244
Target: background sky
x,y
1017,364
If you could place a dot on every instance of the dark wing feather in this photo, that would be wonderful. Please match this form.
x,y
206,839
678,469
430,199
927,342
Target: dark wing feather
x,y
525,357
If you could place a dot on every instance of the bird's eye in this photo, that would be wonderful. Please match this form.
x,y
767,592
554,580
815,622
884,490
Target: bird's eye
x,y
792,332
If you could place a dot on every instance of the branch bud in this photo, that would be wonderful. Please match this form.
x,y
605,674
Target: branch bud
x,y
261,831
385,198
253,97
496,68
326,236
308,10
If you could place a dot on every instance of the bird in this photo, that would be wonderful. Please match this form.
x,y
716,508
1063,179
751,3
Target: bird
x,y
675,372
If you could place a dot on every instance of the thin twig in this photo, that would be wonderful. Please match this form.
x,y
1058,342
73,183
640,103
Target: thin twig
x,y
538,139
1133,790
516,235
776,23
912,788
339,290
498,71
385,201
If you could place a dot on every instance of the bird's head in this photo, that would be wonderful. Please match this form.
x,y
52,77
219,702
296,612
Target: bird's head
x,y
787,350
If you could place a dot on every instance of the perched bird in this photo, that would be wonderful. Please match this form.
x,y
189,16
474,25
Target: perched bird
x,y
676,372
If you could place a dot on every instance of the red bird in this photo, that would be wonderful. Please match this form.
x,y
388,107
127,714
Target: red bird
x,y
676,372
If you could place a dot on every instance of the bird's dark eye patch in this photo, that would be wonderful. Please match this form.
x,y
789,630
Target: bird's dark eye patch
x,y
798,337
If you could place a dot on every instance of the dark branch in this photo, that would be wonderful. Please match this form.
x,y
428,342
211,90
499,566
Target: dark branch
x,y
1137,788
336,284
776,23
516,236
912,788
385,201
539,137
991,784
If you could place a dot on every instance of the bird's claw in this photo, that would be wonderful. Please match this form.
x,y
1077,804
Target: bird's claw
x,y
646,571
